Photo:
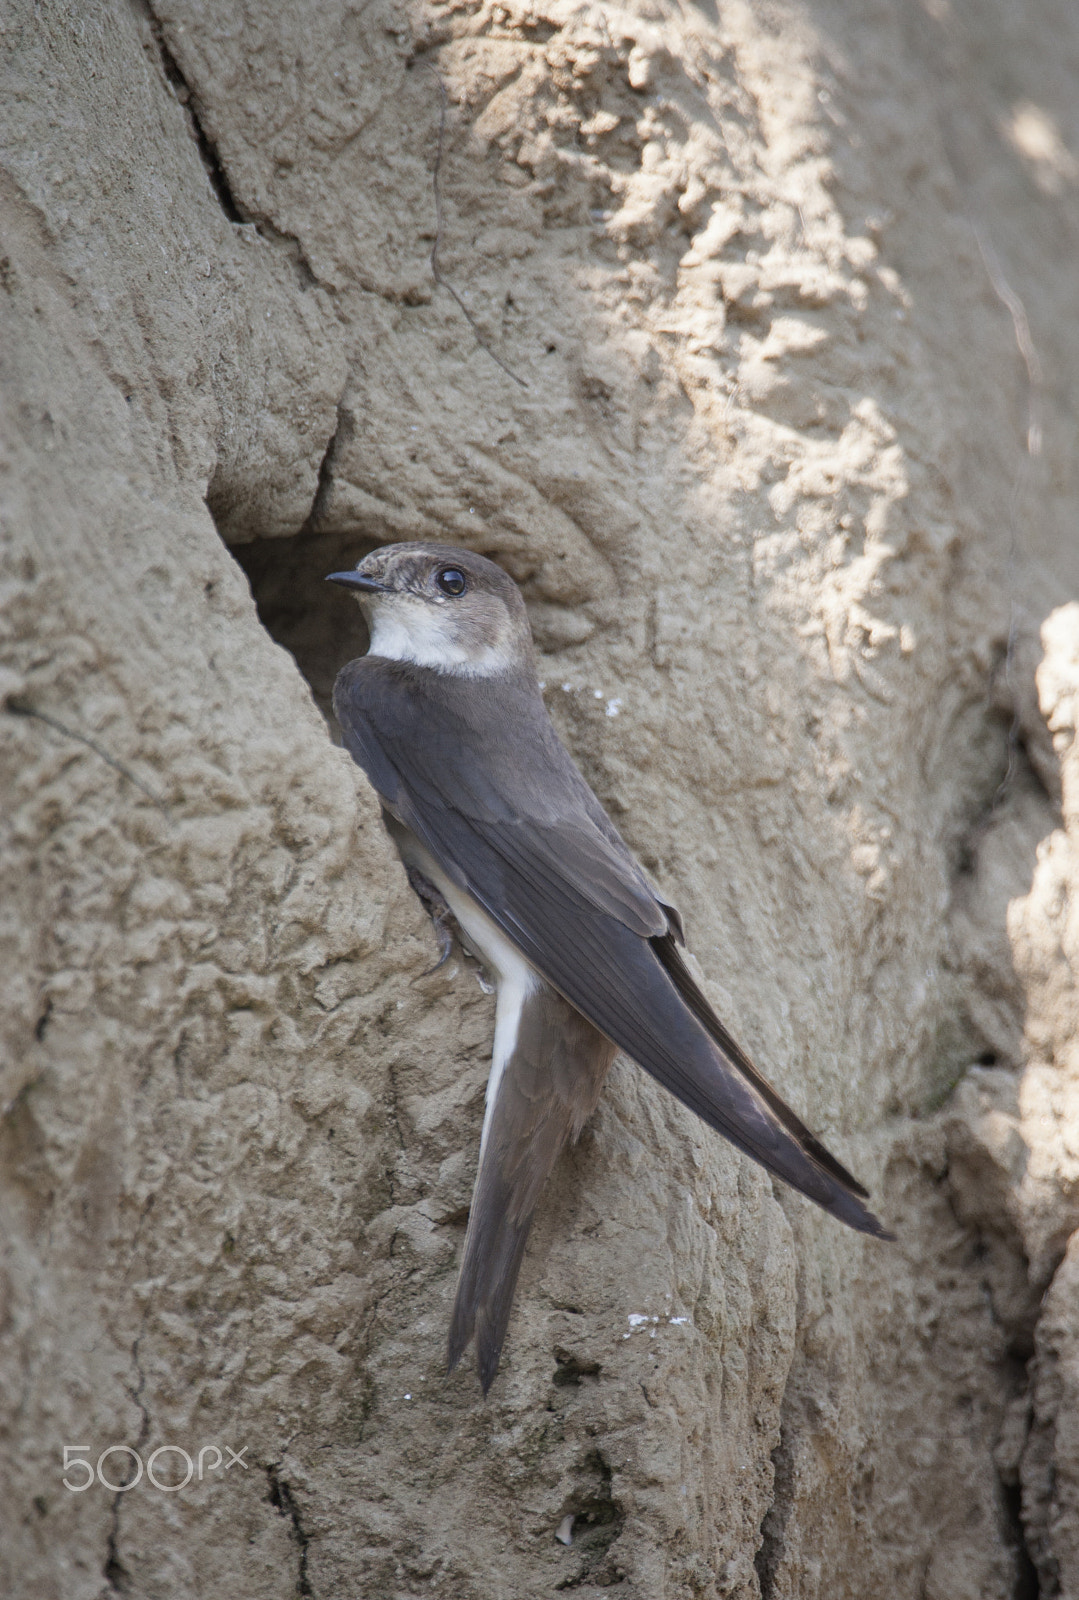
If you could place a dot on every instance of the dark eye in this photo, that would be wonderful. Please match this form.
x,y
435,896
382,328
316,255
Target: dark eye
x,y
451,580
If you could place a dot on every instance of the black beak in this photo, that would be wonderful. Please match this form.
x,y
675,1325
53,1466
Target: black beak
x,y
356,580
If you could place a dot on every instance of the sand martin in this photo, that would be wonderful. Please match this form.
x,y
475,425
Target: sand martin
x,y
495,824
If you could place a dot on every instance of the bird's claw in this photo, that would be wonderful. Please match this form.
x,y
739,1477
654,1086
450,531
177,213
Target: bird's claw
x,y
444,935
442,919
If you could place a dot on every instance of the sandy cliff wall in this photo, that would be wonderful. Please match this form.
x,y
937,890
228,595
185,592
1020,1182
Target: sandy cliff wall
x,y
784,459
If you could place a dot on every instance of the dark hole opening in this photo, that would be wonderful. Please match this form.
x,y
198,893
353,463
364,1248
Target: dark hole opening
x,y
318,623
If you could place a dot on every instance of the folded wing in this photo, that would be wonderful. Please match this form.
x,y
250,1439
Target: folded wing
x,y
583,915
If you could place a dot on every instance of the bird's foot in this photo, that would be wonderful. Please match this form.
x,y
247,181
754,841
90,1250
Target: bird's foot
x,y
442,919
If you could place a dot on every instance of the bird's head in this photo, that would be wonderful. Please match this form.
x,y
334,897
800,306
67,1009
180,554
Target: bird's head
x,y
440,607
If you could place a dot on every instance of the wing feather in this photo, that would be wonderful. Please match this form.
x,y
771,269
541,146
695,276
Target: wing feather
x,y
529,850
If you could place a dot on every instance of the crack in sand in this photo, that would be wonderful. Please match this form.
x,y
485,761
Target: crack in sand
x,y
283,1501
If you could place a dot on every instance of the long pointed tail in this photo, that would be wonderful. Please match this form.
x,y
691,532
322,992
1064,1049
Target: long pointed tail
x,y
545,1092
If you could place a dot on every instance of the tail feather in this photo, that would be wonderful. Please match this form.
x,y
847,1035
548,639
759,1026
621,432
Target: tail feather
x,y
494,1250
546,1091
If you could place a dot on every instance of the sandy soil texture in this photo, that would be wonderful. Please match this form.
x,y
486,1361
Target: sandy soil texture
x,y
753,355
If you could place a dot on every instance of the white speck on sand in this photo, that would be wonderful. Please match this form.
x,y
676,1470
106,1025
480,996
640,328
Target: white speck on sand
x,y
613,707
564,1531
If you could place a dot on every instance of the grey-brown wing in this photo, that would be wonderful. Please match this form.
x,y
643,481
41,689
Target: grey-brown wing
x,y
440,754
546,1092
682,979
523,870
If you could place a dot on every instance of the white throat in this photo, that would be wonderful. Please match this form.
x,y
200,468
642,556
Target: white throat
x,y
412,630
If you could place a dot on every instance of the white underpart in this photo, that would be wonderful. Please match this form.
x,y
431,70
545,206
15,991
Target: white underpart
x,y
515,977
423,632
